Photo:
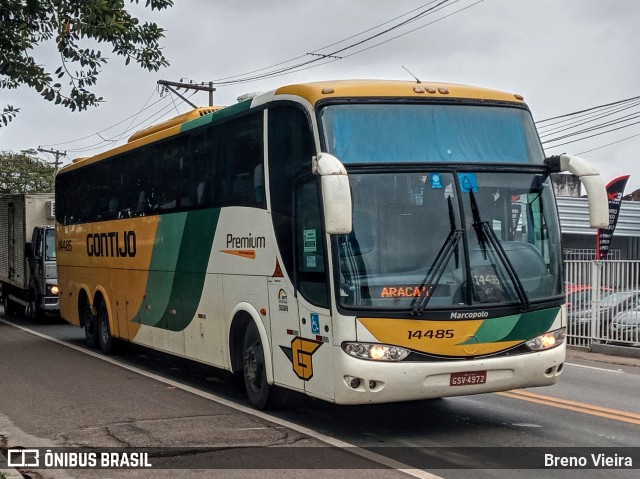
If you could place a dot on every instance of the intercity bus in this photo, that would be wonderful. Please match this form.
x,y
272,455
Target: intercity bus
x,y
356,241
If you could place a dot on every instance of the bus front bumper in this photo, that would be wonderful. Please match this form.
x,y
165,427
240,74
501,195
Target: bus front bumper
x,y
360,381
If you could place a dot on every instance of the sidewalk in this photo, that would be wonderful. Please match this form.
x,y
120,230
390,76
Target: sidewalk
x,y
610,357
5,472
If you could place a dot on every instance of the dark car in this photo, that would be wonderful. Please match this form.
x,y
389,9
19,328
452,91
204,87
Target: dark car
x,y
625,328
607,307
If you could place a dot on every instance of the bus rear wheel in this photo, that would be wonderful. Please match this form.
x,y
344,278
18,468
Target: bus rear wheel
x,y
90,326
261,395
106,339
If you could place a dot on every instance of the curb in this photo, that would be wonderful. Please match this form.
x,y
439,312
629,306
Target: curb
x,y
6,472
605,353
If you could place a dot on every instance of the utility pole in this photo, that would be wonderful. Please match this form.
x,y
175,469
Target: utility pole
x,y
189,86
57,154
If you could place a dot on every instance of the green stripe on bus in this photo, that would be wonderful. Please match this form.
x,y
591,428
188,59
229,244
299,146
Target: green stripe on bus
x,y
217,116
518,327
532,324
161,269
178,269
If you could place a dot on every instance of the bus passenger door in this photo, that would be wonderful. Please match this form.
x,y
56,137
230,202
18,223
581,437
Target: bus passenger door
x,y
312,349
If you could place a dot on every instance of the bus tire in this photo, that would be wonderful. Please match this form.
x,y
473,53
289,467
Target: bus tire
x,y
261,395
90,323
106,339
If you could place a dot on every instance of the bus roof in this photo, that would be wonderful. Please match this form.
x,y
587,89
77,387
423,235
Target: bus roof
x,y
313,92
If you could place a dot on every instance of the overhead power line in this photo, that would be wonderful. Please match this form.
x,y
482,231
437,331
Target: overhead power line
x,y
575,113
569,123
591,122
318,50
335,51
342,52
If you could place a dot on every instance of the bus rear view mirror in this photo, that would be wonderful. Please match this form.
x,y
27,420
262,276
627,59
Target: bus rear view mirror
x,y
593,184
336,193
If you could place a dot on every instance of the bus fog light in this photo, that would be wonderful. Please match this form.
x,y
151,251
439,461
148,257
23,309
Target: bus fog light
x,y
376,352
547,340
353,383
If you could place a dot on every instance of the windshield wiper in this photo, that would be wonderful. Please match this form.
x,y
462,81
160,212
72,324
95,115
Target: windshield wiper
x,y
436,271
485,233
432,279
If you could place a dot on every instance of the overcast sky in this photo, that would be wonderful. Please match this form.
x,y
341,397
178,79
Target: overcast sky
x,y
562,55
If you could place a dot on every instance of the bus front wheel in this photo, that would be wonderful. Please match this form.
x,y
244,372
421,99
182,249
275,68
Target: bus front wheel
x,y
261,395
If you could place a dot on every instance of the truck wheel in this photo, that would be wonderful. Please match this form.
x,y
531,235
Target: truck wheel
x,y
90,326
8,305
261,395
34,312
107,341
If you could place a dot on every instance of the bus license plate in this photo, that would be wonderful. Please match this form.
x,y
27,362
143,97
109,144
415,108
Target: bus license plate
x,y
468,378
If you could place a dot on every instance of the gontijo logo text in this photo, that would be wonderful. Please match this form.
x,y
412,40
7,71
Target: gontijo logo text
x,y
118,244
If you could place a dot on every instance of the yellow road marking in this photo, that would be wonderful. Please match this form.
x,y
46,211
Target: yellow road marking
x,y
623,416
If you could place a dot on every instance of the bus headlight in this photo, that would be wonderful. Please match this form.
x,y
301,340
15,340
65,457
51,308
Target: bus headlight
x,y
52,289
547,340
376,352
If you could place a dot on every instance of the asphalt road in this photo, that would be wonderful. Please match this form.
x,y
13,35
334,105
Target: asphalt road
x,y
53,395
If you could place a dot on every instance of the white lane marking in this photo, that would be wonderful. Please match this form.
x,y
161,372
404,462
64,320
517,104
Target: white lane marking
x,y
617,371
331,441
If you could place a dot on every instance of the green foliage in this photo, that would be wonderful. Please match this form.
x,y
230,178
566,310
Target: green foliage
x,y
72,25
24,172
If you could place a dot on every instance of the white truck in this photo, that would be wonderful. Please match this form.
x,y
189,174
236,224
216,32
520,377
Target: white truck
x,y
28,273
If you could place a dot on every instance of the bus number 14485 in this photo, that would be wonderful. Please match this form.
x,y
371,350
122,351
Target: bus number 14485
x,y
431,334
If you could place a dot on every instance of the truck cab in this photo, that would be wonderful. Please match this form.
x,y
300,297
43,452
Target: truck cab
x,y
43,276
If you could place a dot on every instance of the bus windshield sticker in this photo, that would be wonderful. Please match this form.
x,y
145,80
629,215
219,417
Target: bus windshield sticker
x,y
311,261
309,241
436,180
468,182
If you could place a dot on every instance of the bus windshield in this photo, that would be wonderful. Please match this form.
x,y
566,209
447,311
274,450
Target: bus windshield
x,y
419,132
441,239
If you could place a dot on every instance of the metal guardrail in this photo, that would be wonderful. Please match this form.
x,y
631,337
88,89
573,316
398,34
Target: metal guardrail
x,y
603,302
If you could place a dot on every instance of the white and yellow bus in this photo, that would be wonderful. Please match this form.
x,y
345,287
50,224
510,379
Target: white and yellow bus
x,y
357,241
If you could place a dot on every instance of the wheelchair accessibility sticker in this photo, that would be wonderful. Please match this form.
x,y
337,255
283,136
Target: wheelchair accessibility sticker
x,y
468,182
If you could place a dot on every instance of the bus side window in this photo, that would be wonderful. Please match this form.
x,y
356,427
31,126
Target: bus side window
x,y
241,158
140,208
291,147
